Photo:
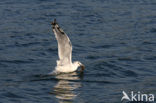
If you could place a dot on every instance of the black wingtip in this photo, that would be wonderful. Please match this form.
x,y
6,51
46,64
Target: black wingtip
x,y
54,22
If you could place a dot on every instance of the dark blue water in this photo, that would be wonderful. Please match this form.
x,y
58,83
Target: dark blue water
x,y
115,39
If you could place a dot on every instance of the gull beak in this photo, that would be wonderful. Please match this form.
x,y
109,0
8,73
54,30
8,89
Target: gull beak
x,y
82,67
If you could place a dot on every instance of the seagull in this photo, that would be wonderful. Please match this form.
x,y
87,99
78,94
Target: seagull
x,y
64,64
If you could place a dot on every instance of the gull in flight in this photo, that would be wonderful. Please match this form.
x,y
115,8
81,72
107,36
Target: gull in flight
x,y
64,64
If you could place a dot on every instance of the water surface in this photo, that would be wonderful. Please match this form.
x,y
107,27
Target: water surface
x,y
115,39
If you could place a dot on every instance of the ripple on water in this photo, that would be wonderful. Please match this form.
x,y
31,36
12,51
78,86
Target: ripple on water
x,y
108,69
12,95
153,30
17,61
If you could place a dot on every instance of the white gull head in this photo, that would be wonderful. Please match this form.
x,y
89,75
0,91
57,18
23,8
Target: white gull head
x,y
64,64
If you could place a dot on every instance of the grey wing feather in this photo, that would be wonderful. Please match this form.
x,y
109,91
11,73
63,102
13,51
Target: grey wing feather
x,y
64,44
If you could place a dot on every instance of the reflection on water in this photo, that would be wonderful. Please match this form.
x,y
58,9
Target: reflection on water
x,y
64,90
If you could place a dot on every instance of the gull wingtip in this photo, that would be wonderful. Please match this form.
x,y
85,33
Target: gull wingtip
x,y
54,22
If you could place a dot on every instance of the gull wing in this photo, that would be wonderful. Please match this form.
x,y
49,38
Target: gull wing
x,y
64,44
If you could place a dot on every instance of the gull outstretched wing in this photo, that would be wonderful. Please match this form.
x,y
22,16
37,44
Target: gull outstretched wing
x,y
64,44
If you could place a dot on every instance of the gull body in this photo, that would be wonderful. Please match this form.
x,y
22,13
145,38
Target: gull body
x,y
64,64
68,67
